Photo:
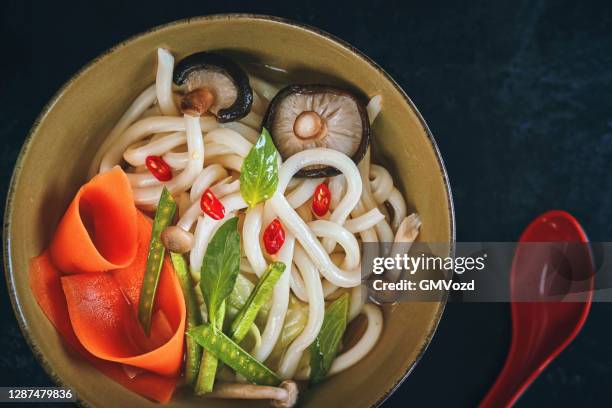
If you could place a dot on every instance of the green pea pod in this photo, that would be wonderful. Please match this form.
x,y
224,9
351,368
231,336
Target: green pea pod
x,y
233,355
259,296
194,317
210,362
163,217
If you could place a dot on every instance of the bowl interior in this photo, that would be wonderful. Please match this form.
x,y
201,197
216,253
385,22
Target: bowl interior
x,y
55,161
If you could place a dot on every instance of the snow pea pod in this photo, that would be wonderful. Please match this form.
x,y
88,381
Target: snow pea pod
x,y
260,295
194,317
233,355
163,217
210,362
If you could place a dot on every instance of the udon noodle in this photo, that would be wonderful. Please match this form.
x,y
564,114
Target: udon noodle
x,y
322,254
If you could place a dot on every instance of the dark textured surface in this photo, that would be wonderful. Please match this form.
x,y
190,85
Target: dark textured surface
x,y
517,94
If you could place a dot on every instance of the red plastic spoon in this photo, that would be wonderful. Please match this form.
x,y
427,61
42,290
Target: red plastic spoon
x,y
541,328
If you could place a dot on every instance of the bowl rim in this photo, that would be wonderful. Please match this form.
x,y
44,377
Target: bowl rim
x,y
15,177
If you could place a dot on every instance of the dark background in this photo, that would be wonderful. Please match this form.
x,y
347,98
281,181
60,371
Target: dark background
x,y
517,94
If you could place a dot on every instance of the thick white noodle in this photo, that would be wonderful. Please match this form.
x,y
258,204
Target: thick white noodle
x,y
381,183
268,214
230,138
328,229
163,83
249,134
205,229
184,180
215,149
139,180
358,298
397,202
365,344
250,239
201,236
179,160
280,303
336,188
297,286
384,231
303,192
136,109
229,161
153,110
316,312
374,107
143,128
211,174
367,201
365,221
136,156
292,221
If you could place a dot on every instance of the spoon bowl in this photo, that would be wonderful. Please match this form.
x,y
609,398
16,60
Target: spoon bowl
x,y
551,284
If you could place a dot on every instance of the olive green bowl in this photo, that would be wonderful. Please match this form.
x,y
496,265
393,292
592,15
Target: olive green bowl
x,y
54,161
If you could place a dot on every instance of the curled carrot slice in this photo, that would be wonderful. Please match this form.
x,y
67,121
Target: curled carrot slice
x,y
47,289
98,231
102,244
115,334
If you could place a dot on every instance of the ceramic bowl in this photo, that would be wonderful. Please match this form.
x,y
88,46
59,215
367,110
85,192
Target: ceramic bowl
x,y
57,153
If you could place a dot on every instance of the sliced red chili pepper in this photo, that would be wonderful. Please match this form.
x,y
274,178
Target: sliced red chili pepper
x,y
159,168
321,200
210,204
274,237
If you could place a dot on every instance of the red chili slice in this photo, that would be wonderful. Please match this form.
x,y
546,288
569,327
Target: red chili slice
x,y
274,237
210,204
321,200
159,168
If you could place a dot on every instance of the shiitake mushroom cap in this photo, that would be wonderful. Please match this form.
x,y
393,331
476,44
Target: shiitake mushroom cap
x,y
316,131
186,77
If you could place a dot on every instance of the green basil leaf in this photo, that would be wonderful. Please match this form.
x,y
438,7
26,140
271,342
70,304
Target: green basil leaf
x,y
220,267
259,172
324,349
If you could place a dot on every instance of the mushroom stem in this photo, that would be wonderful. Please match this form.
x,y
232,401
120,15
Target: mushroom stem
x,y
176,239
309,125
284,396
197,102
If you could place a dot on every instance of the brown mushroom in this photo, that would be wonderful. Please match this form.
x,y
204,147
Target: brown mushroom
x,y
213,83
284,396
177,240
303,117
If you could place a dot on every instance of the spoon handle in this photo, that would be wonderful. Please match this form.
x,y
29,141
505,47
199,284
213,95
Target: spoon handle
x,y
508,387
